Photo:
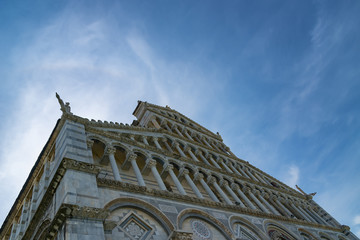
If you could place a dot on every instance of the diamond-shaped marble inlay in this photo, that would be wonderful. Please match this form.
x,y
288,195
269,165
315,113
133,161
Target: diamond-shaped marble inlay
x,y
136,228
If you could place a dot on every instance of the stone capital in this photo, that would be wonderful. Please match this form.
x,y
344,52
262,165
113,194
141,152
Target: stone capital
x,y
256,192
169,167
175,144
132,157
265,195
111,150
234,186
183,171
152,163
224,183
198,176
155,139
211,180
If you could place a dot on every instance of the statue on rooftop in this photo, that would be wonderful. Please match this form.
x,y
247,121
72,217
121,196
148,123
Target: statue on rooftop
x,y
65,108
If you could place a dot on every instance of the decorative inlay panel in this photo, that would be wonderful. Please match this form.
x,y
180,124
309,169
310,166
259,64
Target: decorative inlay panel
x,y
200,229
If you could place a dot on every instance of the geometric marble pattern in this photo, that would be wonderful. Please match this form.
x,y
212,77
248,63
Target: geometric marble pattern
x,y
135,228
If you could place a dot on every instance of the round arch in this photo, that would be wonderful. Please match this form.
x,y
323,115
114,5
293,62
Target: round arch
x,y
306,233
242,221
275,229
324,236
146,207
196,213
92,136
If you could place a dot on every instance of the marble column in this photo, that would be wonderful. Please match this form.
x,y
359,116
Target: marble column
x,y
263,197
271,200
280,201
233,168
155,139
248,171
253,197
187,134
225,184
199,153
235,187
200,177
177,130
297,211
243,196
242,172
155,122
300,207
166,145
308,211
111,152
132,137
177,146
213,161
188,149
259,178
145,141
212,180
170,168
184,172
318,216
206,142
152,165
297,206
224,165
138,174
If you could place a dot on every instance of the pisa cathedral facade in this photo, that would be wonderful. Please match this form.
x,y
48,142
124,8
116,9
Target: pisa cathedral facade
x,y
162,177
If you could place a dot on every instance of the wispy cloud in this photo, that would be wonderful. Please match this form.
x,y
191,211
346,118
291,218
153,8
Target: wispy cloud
x,y
98,71
357,220
292,176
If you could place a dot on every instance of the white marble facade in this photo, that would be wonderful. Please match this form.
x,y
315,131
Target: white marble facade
x,y
162,177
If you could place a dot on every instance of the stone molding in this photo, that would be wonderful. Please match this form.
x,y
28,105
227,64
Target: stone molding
x,y
132,188
179,235
73,211
93,124
45,202
191,211
123,139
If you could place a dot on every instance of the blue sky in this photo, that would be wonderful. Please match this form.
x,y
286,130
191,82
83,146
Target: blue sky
x,y
278,79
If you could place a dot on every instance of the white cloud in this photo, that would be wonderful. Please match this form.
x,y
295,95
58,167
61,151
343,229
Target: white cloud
x,y
357,220
292,176
95,69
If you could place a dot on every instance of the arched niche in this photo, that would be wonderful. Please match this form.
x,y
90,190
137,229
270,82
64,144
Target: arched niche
x,y
132,218
277,231
325,236
243,229
98,149
306,235
202,225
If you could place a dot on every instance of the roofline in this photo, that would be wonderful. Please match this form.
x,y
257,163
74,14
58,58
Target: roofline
x,y
20,197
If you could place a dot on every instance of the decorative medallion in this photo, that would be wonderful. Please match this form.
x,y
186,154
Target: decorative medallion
x,y
134,227
200,229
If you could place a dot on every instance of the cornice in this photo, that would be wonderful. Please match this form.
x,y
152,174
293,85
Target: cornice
x,y
73,211
132,188
65,164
